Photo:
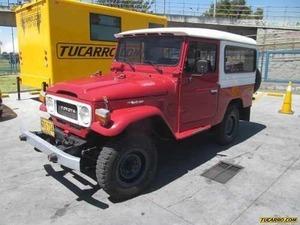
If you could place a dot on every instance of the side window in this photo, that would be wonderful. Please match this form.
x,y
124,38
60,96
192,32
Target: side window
x,y
103,27
201,51
155,25
239,59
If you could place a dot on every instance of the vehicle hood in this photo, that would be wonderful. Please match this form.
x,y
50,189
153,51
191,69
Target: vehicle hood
x,y
115,87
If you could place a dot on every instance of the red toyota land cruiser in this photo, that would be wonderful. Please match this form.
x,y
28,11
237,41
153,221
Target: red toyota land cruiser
x,y
172,82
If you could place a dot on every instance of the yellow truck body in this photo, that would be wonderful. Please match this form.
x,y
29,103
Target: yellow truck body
x,y
62,40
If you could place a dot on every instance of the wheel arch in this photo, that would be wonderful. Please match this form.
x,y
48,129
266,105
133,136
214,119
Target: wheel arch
x,y
243,111
137,118
153,125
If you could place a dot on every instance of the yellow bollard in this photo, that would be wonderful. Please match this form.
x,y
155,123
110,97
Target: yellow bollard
x,y
286,107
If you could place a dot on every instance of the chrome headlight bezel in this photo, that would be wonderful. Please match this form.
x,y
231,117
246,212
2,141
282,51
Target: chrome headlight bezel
x,y
84,115
82,122
49,101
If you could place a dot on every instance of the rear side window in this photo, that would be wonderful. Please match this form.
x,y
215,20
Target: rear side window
x,y
239,59
103,27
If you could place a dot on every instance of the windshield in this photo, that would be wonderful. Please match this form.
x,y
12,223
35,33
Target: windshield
x,y
160,50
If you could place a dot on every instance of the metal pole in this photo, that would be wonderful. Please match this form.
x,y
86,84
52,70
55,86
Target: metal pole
x,y
215,7
285,19
44,86
262,55
263,50
13,58
164,7
267,66
18,87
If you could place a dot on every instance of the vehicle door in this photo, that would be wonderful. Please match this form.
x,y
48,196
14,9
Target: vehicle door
x,y
199,85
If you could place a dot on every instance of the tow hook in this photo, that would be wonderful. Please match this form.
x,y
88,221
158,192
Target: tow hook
x,y
52,158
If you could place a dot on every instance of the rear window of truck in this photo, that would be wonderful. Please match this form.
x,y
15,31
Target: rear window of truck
x,y
239,59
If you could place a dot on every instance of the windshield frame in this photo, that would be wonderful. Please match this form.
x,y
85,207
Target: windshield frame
x,y
181,38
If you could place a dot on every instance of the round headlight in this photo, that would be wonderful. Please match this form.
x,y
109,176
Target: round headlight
x,y
49,103
84,115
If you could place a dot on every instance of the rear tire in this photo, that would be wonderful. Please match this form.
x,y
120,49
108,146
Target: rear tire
x,y
227,130
126,166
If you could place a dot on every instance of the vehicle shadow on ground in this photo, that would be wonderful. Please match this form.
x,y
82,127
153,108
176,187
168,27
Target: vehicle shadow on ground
x,y
7,114
175,160
83,195
178,158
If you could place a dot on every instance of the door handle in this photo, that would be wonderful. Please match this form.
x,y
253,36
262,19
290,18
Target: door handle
x,y
214,91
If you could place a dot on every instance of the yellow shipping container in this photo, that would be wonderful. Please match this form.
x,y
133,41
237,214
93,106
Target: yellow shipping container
x,y
65,39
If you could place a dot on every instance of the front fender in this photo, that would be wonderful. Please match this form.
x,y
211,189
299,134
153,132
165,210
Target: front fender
x,y
122,118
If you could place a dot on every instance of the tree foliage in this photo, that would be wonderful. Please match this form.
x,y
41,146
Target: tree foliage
x,y
234,9
136,5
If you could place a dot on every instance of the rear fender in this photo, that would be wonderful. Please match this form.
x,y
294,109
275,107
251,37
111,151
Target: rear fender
x,y
122,118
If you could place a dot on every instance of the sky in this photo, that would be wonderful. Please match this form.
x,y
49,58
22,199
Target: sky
x,y
292,7
6,39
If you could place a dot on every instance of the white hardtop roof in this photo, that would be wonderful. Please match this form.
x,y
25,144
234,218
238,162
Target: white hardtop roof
x,y
192,32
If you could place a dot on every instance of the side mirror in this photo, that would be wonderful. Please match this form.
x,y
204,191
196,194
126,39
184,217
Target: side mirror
x,y
202,66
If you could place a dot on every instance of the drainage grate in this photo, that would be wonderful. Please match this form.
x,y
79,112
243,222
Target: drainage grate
x,y
222,172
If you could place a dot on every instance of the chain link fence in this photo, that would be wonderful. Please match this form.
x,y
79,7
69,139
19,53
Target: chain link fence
x,y
280,65
9,63
270,15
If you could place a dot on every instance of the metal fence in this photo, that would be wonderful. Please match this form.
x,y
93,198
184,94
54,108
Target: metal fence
x,y
6,4
271,15
188,7
9,61
9,64
280,65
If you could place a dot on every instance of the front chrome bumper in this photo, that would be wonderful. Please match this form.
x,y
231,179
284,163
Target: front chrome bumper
x,y
62,157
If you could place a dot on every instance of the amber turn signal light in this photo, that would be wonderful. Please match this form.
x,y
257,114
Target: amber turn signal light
x,y
103,116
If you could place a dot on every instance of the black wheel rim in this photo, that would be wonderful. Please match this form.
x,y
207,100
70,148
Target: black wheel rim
x,y
230,125
131,167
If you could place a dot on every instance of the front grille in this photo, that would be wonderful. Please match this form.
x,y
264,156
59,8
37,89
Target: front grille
x,y
67,110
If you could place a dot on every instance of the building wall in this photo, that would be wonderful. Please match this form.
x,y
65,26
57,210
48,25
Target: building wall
x,y
281,67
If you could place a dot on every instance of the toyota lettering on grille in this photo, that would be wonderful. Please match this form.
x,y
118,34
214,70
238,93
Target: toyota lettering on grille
x,y
67,109
64,108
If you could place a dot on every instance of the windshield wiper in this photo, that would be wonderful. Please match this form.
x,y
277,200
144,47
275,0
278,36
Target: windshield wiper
x,y
130,65
158,69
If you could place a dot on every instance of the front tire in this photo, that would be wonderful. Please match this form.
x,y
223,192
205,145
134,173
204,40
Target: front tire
x,y
126,166
227,130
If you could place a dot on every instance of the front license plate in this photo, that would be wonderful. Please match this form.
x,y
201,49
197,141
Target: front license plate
x,y
47,127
